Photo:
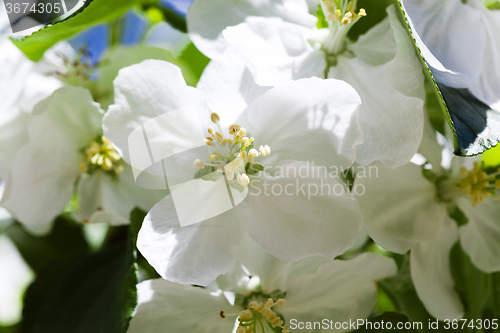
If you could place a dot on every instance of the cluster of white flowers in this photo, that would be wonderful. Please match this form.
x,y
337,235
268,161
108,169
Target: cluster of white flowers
x,y
279,92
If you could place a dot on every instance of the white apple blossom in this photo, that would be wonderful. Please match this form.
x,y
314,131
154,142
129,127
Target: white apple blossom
x,y
305,124
206,32
22,85
381,65
259,289
403,210
66,149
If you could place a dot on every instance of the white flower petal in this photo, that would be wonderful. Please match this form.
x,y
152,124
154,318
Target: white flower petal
x,y
168,306
392,122
13,135
143,198
103,200
144,92
45,169
320,126
272,272
339,290
229,87
453,36
377,46
21,87
405,70
194,254
487,86
276,51
479,238
302,213
392,114
430,269
398,206
206,32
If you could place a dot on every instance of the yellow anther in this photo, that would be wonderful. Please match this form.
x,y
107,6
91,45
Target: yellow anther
x,y
477,167
245,315
256,312
265,150
482,176
244,139
199,164
100,154
119,169
280,302
252,154
229,174
243,154
464,172
286,329
345,21
211,130
106,163
338,12
362,12
265,311
255,306
276,322
214,117
233,129
269,303
219,136
243,179
242,132
209,141
241,329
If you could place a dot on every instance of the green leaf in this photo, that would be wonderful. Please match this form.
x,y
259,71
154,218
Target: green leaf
x,y
474,124
93,292
66,239
473,286
491,158
401,291
376,13
174,19
495,296
492,4
93,13
192,64
10,329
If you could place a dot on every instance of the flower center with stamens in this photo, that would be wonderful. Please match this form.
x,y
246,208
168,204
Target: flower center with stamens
x,y
478,184
260,314
79,71
101,154
341,16
231,155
